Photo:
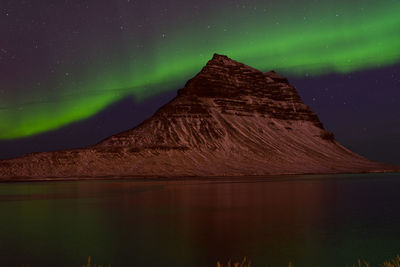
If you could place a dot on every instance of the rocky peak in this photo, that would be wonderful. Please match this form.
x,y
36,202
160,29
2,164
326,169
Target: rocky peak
x,y
222,62
221,59
222,77
238,89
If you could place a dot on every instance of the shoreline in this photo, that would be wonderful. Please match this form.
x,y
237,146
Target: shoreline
x,y
249,178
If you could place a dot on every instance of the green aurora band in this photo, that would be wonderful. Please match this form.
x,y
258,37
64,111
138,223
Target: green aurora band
x,y
329,40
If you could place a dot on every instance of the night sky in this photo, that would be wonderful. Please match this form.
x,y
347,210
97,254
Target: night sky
x,y
73,72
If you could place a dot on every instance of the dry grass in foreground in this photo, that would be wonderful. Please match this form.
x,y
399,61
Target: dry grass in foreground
x,y
245,263
360,263
89,264
393,263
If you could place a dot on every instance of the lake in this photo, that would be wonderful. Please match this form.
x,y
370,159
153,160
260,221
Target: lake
x,y
310,220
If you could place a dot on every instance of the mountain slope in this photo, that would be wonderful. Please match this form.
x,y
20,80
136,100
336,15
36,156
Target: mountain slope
x,y
228,120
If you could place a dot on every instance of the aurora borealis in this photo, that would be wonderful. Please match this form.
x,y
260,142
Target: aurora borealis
x,y
75,58
66,62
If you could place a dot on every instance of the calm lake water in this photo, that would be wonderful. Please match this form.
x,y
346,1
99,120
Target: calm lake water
x,y
329,220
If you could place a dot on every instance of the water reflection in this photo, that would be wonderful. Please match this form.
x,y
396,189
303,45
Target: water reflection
x,y
309,220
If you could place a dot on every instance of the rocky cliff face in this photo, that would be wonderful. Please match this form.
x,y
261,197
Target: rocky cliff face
x,y
228,120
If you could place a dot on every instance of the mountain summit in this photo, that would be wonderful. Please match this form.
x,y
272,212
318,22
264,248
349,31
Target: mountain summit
x,y
229,120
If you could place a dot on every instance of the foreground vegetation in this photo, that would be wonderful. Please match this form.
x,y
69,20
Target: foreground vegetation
x,y
360,263
245,263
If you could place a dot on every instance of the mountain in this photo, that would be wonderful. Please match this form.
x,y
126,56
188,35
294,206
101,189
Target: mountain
x,y
229,120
